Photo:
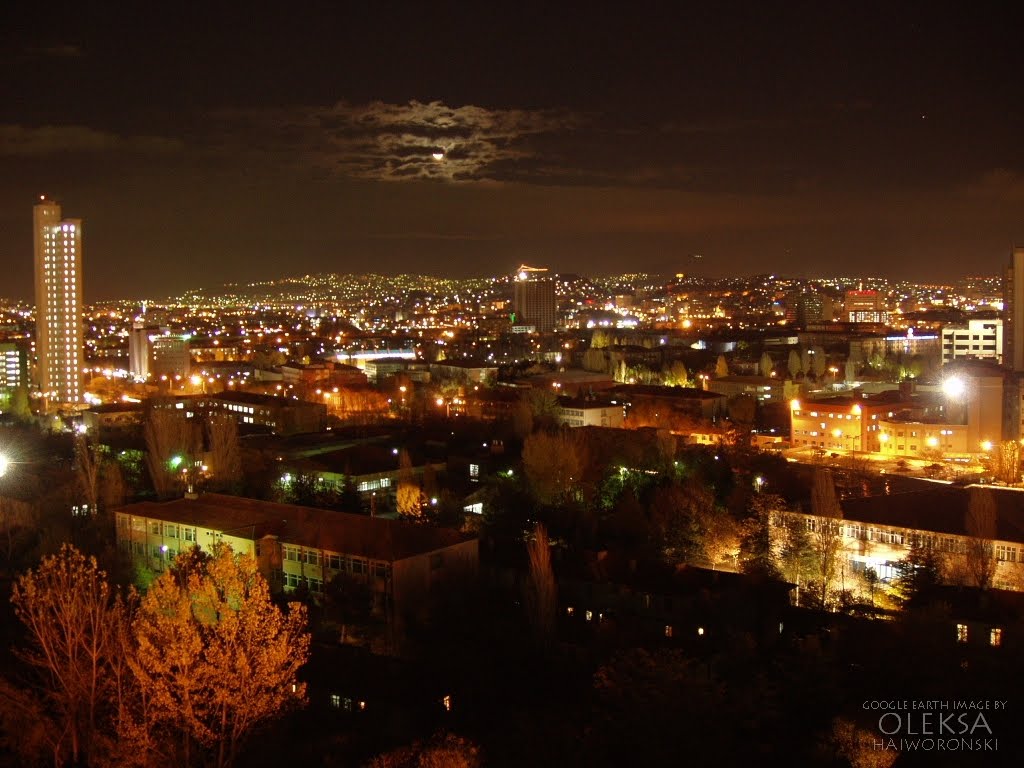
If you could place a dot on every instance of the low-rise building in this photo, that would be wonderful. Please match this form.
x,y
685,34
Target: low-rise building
x,y
878,532
282,415
588,412
405,565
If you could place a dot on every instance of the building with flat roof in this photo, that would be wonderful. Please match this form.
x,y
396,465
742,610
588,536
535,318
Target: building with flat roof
x,y
978,340
879,531
533,300
58,283
405,565
589,412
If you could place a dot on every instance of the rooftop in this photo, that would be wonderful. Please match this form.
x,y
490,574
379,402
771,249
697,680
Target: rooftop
x,y
371,537
939,510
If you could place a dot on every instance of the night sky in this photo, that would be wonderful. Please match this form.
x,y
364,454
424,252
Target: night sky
x,y
241,144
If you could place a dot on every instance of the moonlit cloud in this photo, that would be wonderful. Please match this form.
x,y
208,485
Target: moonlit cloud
x,y
400,142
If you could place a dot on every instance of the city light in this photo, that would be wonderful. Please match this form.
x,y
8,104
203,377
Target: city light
x,y
4,464
954,386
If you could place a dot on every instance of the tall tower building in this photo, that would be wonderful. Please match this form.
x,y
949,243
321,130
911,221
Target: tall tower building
x,y
58,267
533,300
1013,312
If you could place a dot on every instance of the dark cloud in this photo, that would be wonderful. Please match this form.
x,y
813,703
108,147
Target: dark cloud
x,y
21,140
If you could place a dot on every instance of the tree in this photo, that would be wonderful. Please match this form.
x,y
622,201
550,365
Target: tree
x,y
756,549
554,463
444,750
73,620
541,594
170,446
849,371
676,375
766,366
858,745
225,453
409,495
742,411
919,571
981,528
828,532
1004,462
721,367
215,654
796,552
793,364
87,468
19,405
819,364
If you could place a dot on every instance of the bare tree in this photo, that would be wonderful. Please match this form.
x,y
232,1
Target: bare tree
x,y
112,485
73,622
828,532
541,595
981,528
226,456
170,442
1004,462
554,463
87,468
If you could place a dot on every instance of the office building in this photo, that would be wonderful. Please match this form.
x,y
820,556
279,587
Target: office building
x,y
58,278
865,307
533,300
13,367
154,353
978,340
1013,312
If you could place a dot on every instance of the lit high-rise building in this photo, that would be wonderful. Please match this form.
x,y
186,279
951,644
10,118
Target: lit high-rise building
x,y
58,268
533,300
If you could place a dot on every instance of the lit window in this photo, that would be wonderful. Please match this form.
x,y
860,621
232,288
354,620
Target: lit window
x,y
668,630
995,637
961,633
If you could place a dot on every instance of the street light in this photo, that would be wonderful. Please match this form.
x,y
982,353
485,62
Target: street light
x,y
4,464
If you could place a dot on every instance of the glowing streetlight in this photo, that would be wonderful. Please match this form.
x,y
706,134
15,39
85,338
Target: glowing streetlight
x,y
986,445
4,464
954,386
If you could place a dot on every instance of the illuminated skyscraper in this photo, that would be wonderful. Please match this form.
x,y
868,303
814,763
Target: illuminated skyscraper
x,y
533,300
58,267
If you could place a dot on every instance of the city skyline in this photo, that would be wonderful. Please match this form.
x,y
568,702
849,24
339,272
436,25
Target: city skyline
x,y
876,141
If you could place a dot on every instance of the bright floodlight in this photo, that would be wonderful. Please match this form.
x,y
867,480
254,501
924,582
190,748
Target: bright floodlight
x,y
953,386
438,155
4,464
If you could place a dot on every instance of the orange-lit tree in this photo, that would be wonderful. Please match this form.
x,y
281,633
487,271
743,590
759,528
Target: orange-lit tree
x,y
216,656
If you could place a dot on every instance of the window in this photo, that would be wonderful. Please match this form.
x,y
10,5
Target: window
x,y
335,701
334,561
668,630
995,637
358,565
1006,554
171,531
961,633
154,528
189,534
290,553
